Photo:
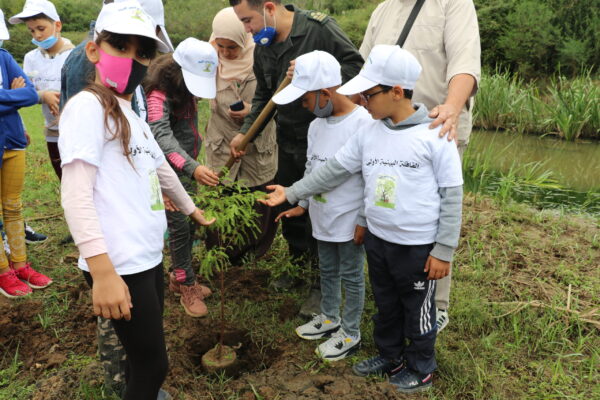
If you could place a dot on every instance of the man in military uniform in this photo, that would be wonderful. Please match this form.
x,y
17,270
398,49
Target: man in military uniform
x,y
282,34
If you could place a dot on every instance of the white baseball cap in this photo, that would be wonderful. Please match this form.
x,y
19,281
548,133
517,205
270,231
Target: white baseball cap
x,y
198,61
387,65
156,10
128,18
313,71
3,30
35,7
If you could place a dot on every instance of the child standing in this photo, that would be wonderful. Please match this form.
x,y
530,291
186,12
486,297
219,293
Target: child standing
x,y
175,81
334,215
43,65
16,276
114,173
413,196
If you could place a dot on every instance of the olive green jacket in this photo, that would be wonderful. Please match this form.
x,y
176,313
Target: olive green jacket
x,y
311,30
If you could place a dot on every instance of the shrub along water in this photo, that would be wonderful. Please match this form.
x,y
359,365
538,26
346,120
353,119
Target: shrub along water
x,y
568,108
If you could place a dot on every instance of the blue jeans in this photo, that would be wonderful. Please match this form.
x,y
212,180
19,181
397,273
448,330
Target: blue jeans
x,y
342,263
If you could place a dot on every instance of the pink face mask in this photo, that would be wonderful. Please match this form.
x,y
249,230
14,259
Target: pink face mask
x,y
122,74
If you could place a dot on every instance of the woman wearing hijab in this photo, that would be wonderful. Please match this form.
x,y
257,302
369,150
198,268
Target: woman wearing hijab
x,y
236,84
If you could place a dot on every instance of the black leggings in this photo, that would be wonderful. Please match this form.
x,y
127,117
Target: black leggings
x,y
143,336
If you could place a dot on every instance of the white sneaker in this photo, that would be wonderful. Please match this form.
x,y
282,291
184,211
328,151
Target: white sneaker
x,y
318,327
339,346
442,319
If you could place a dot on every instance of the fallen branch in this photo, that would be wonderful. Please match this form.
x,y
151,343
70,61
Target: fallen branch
x,y
51,216
520,305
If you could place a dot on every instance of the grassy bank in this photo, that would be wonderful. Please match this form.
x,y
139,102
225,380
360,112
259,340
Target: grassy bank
x,y
568,108
524,316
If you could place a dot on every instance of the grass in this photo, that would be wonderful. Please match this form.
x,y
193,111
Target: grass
x,y
567,108
498,345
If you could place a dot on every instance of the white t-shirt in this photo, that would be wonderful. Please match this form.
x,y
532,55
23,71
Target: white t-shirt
x,y
403,170
44,73
128,201
333,214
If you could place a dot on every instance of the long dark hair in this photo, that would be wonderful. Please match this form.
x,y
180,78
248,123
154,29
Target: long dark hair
x,y
165,75
106,96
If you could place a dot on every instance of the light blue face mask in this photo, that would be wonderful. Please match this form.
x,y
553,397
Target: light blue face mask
x,y
266,35
46,43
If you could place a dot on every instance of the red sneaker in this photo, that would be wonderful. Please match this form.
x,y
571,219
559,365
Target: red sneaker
x,y
34,279
11,286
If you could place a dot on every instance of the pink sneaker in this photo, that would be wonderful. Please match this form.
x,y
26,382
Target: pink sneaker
x,y
11,286
34,279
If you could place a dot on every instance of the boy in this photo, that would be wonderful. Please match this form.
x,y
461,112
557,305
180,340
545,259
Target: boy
x,y
413,196
334,215
44,63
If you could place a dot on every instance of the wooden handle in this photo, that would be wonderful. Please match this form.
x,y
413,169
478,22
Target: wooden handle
x,y
265,115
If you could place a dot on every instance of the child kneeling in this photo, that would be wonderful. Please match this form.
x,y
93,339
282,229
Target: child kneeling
x,y
413,204
334,215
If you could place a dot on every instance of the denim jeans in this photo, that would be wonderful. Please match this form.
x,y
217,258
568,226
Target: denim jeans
x,y
342,263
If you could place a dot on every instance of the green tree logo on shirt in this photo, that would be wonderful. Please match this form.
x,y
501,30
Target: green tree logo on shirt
x,y
385,191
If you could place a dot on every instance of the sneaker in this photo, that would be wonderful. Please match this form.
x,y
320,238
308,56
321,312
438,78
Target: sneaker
x,y
11,286
442,319
32,236
378,366
338,347
31,277
6,246
409,381
312,305
320,326
192,300
163,395
175,284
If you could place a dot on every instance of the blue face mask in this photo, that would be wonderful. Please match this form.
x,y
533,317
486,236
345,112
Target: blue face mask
x,y
46,43
266,35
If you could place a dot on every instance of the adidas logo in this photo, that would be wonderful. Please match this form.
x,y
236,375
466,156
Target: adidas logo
x,y
419,285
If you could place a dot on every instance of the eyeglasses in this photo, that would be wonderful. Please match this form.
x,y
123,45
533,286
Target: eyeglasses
x,y
366,97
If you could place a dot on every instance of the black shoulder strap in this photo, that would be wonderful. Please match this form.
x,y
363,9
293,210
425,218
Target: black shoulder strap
x,y
409,23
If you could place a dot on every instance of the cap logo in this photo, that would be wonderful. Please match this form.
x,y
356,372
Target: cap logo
x,y
139,15
208,65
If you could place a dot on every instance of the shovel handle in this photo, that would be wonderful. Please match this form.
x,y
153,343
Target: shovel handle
x,y
265,115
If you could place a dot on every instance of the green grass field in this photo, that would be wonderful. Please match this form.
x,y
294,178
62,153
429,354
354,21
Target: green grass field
x,y
524,316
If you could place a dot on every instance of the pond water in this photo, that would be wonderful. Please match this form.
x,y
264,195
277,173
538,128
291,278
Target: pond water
x,y
574,165
574,170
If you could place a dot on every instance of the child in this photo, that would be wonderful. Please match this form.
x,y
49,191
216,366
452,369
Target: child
x,y
43,65
114,173
16,276
334,215
173,85
413,195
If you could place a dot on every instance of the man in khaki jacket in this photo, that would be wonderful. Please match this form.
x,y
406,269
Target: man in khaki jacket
x,y
445,41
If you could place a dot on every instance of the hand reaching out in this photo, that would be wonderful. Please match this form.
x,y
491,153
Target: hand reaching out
x,y
198,217
206,176
291,213
276,197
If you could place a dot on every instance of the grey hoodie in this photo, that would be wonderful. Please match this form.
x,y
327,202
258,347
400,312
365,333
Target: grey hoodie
x,y
332,174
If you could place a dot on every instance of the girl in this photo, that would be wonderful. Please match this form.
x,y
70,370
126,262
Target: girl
x,y
236,83
113,174
16,91
174,83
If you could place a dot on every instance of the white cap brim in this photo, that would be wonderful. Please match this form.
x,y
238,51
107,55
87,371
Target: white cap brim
x,y
17,19
288,94
356,85
4,35
127,30
200,86
164,36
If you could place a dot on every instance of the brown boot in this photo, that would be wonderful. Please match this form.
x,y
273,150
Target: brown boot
x,y
175,286
192,300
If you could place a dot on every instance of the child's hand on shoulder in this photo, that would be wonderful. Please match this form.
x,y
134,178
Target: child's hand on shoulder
x,y
200,219
436,268
291,213
276,197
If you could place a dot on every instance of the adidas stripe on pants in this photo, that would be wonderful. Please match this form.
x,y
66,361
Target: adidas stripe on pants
x,y
405,319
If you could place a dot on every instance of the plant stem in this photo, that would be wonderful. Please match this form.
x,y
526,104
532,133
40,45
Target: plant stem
x,y
222,332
